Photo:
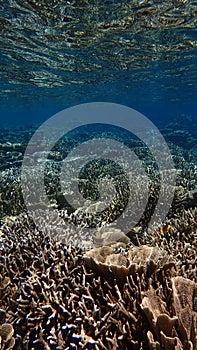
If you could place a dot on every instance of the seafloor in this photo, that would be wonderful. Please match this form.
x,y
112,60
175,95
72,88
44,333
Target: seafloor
x,y
137,291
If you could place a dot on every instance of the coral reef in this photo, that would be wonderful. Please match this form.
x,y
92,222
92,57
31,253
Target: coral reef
x,y
13,143
107,290
119,296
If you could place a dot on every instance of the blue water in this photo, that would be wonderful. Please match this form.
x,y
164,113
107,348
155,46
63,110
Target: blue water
x,y
159,109
139,54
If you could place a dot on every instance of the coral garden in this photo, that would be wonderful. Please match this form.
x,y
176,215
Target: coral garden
x,y
114,290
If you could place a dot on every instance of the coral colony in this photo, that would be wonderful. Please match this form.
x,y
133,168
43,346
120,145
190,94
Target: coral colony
x,y
118,296
108,290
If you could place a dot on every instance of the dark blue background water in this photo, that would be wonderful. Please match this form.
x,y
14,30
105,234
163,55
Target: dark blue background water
x,y
156,105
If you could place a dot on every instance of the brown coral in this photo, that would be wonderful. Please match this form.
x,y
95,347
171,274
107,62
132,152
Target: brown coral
x,y
57,296
7,340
